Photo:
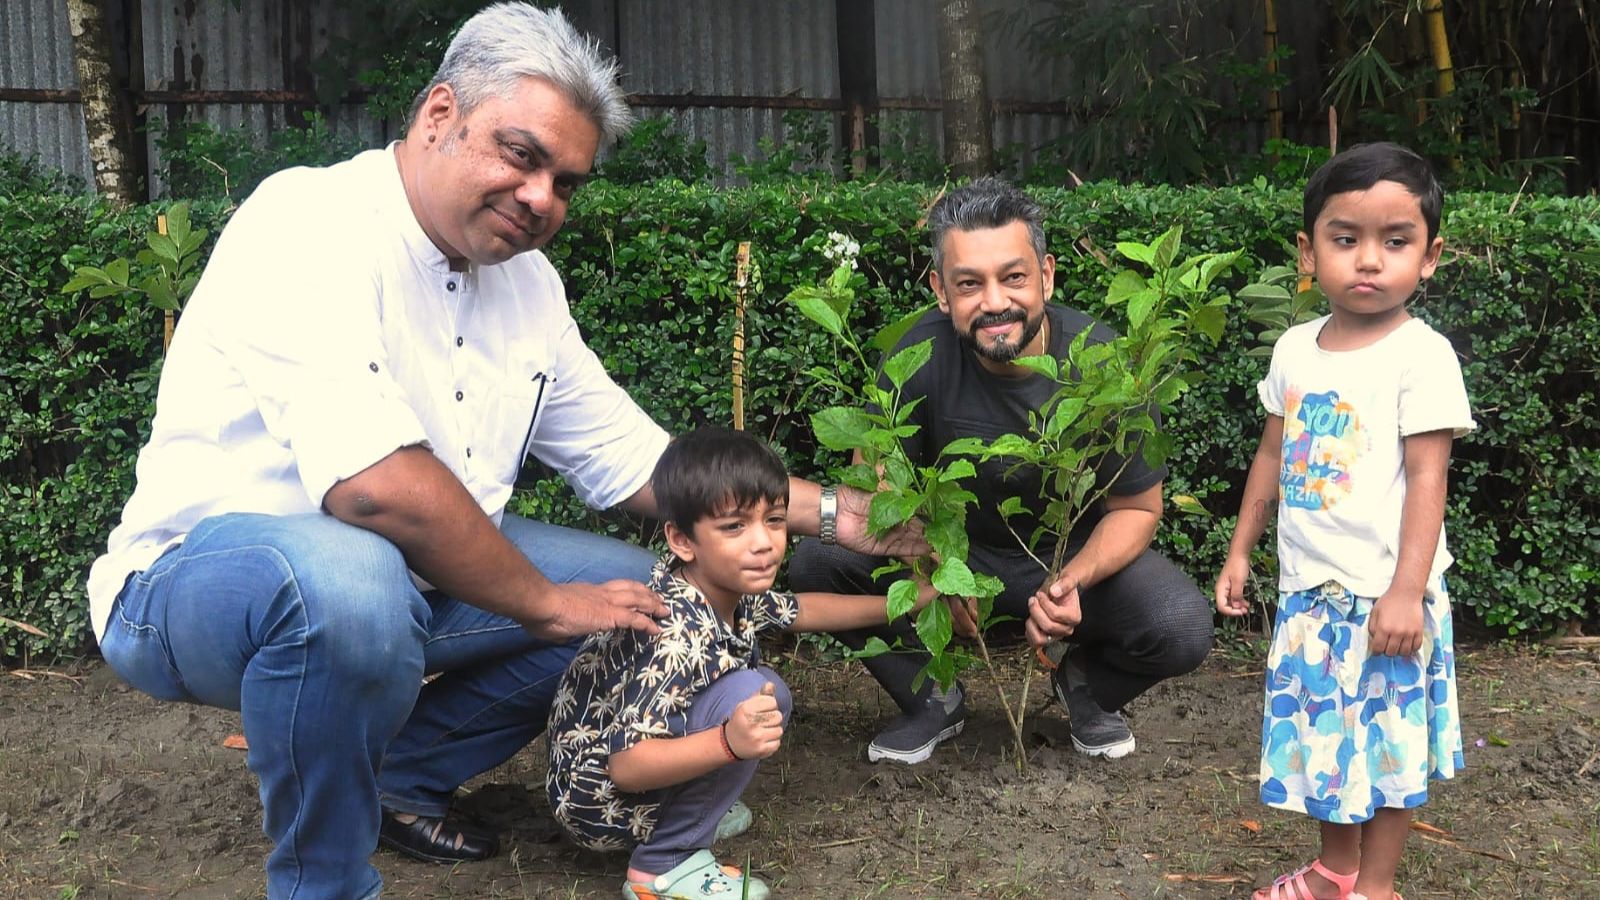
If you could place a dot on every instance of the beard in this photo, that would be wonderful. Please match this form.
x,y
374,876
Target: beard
x,y
1002,350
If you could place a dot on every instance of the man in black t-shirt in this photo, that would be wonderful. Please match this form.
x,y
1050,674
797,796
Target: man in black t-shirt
x,y
1129,616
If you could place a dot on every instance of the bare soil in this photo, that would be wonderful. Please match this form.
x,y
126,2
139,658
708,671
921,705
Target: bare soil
x,y
107,793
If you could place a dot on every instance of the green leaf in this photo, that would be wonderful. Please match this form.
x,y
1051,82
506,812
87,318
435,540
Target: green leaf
x,y
902,598
817,310
839,280
986,587
1012,506
860,476
933,627
904,364
954,578
1136,251
86,276
841,427
888,510
1210,320
958,469
1125,285
1139,307
163,247
1011,445
967,446
1166,247
117,271
1188,504
160,293
1043,365
873,647
1262,293
886,339
948,537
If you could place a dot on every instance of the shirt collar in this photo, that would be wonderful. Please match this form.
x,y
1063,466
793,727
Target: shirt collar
x,y
420,246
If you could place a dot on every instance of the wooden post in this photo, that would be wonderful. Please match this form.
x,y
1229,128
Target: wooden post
x,y
170,319
741,280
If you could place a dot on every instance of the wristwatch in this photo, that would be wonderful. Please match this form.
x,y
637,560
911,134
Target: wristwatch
x,y
828,516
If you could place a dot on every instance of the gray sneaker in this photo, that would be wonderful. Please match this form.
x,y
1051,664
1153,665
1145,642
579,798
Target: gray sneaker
x,y
911,737
1095,732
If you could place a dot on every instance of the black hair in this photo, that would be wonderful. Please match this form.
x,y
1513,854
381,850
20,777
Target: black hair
x,y
1363,166
986,202
713,471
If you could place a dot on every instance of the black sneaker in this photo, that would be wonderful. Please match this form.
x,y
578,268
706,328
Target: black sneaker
x,y
1095,732
910,738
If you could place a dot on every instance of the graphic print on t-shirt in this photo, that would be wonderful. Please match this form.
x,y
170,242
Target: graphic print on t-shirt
x,y
1320,440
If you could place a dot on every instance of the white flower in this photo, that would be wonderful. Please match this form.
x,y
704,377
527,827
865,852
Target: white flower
x,y
841,249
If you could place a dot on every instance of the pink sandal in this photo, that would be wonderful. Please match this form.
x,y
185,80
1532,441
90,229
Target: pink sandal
x,y
1293,885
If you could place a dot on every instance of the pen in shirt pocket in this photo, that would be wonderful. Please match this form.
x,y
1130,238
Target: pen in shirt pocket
x,y
543,379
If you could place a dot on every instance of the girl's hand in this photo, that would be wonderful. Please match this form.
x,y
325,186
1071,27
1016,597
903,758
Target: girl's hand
x,y
1230,586
1395,624
756,727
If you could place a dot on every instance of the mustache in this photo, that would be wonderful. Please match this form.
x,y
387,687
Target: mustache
x,y
999,318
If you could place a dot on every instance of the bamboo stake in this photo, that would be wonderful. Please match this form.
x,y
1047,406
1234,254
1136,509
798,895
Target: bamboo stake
x,y
1274,102
1439,43
741,280
169,320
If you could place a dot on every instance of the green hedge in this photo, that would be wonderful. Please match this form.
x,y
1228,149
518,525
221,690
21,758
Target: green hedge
x,y
650,271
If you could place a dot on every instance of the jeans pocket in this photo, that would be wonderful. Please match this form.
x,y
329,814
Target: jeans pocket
x,y
138,653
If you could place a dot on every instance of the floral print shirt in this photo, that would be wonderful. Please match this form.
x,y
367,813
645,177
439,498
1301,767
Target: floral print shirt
x,y
625,686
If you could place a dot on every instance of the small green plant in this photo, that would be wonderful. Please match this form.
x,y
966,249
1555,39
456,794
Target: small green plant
x,y
1102,413
166,270
1280,299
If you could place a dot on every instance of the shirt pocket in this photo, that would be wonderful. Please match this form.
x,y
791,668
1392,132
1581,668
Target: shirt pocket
x,y
522,402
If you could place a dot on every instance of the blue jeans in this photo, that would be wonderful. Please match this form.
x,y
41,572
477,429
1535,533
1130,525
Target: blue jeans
x,y
313,630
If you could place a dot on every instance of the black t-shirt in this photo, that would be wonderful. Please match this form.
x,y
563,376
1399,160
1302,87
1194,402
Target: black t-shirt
x,y
963,399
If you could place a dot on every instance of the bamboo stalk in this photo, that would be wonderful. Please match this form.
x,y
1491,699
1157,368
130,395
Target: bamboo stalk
x,y
170,319
1445,81
1274,101
741,279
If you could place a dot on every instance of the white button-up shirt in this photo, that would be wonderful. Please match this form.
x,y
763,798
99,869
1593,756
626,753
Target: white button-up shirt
x,y
328,331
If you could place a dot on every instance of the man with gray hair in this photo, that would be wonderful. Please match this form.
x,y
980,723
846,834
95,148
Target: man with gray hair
x,y
1129,616
319,521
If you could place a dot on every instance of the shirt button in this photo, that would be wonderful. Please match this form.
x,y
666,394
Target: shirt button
x,y
460,341
373,366
449,285
459,395
469,453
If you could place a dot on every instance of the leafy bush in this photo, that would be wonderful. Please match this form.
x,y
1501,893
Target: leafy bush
x,y
650,270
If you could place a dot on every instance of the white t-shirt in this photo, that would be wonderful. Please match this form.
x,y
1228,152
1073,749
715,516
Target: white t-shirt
x,y
1342,485
328,331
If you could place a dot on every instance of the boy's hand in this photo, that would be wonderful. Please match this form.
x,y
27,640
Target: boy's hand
x,y
1395,624
1230,586
756,727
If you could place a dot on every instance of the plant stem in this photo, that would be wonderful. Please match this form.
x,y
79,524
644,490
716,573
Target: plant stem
x,y
1014,720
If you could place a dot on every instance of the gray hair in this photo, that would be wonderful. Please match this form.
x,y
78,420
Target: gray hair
x,y
986,202
508,42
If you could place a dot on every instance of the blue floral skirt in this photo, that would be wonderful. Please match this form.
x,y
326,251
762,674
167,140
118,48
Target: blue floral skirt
x,y
1346,733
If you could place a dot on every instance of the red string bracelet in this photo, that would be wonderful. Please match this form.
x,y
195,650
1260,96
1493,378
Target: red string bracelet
x,y
727,747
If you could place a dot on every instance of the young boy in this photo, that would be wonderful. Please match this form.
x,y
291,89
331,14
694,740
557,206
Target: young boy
x,y
1362,405
654,737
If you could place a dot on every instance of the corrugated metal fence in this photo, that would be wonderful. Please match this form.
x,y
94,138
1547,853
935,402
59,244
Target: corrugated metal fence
x,y
726,71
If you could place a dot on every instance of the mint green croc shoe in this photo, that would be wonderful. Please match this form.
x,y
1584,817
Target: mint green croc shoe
x,y
700,877
734,822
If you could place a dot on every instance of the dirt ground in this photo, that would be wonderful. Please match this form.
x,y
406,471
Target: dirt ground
x,y
107,793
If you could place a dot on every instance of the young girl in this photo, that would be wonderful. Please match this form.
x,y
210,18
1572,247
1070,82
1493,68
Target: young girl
x,y
1362,405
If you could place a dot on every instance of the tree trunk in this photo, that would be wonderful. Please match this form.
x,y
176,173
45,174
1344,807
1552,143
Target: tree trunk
x,y
968,142
105,116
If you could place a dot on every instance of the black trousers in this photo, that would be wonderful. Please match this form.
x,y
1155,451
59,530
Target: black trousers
x,y
1146,623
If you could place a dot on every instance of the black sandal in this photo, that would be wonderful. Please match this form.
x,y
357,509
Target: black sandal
x,y
435,839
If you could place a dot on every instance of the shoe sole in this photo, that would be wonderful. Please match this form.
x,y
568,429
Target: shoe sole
x,y
1113,750
1116,750
919,754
